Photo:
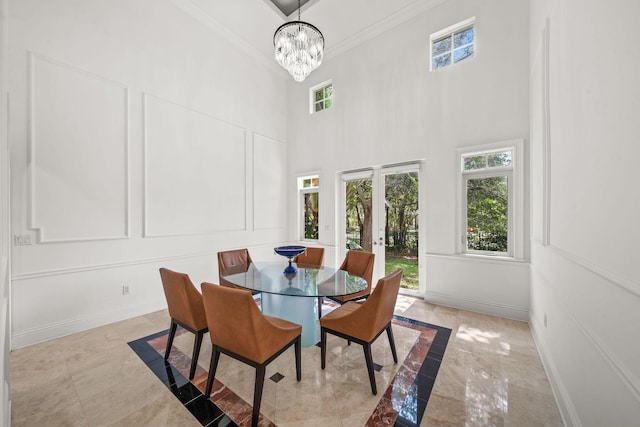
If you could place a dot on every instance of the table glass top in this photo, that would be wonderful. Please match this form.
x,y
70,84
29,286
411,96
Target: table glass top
x,y
308,282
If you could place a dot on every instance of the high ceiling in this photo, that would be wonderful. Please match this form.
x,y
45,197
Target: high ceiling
x,y
287,7
344,23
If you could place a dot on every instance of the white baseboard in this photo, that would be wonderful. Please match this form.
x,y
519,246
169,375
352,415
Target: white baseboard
x,y
563,399
486,307
72,326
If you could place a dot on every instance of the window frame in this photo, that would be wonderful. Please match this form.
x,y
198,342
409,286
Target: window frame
x,y
449,32
302,191
312,96
515,194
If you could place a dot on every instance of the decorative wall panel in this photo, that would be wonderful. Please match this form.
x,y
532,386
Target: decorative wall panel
x,y
194,171
78,155
268,183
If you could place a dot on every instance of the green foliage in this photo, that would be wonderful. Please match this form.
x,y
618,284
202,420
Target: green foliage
x,y
358,211
311,216
487,214
401,211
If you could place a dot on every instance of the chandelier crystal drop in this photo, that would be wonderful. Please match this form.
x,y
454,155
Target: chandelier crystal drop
x,y
299,47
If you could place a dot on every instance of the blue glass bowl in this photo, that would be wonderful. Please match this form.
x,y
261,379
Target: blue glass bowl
x,y
290,251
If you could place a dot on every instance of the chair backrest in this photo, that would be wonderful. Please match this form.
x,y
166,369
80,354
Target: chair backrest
x,y
236,323
312,257
237,258
183,299
360,264
377,311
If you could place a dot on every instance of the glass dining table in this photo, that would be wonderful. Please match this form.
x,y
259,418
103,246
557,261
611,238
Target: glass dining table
x,y
293,297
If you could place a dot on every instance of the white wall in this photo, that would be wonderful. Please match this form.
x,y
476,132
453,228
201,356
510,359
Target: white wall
x,y
390,108
5,232
585,289
139,139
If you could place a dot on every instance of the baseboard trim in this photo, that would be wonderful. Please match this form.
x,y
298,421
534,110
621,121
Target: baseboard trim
x,y
479,306
71,326
563,399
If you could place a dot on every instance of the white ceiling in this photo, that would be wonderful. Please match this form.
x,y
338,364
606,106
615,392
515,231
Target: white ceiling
x,y
288,6
344,23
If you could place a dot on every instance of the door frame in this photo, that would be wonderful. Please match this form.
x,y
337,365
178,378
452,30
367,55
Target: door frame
x,y
377,175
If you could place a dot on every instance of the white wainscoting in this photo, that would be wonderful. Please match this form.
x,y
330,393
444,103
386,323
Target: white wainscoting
x,y
576,331
194,171
5,330
78,157
484,285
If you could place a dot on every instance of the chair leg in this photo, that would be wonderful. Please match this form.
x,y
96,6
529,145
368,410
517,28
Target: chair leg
x,y
369,358
320,299
257,394
298,358
392,343
196,353
215,356
323,347
172,333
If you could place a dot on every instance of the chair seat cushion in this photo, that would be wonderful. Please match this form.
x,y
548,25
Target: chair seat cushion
x,y
285,324
338,320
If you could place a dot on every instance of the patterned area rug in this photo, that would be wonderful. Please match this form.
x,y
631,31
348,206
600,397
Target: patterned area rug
x,y
408,383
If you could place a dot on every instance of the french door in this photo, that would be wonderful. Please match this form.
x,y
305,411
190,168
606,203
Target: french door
x,y
381,214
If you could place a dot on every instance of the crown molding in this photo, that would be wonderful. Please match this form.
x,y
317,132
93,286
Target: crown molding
x,y
381,26
198,13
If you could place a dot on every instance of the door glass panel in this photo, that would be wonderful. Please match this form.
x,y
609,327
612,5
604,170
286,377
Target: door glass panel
x,y
401,227
359,211
311,216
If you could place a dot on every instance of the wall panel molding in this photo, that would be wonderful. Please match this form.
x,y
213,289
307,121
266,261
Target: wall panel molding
x,y
269,183
627,378
188,157
107,266
546,137
615,279
76,114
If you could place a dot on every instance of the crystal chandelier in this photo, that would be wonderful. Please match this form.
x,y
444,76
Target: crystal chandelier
x,y
299,47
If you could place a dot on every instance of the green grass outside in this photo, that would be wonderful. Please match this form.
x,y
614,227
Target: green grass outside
x,y
409,268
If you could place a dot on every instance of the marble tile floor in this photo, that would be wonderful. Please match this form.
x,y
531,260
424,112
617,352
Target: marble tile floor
x,y
490,374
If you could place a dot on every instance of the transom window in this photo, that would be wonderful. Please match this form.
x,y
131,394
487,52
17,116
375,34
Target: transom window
x,y
321,97
453,44
309,191
491,199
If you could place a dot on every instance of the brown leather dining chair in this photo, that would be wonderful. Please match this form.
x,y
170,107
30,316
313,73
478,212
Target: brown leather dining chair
x,y
312,257
240,330
235,261
363,322
359,264
185,309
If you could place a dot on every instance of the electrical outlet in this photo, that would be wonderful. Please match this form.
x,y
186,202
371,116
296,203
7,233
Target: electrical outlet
x,y
125,289
21,239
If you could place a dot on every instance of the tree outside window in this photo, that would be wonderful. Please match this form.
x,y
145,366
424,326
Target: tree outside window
x,y
487,178
309,197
